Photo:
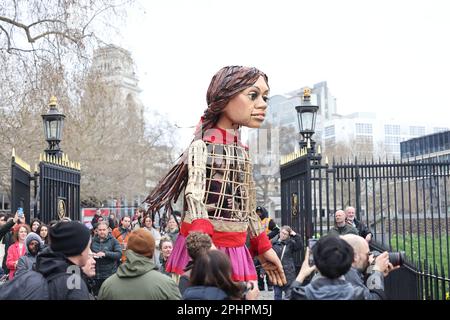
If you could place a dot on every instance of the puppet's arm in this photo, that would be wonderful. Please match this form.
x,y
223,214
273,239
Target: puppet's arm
x,y
195,189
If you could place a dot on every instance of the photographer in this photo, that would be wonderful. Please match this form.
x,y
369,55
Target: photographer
x,y
285,246
333,258
373,287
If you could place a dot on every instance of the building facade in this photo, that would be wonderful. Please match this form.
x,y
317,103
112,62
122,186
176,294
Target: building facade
x,y
360,134
433,147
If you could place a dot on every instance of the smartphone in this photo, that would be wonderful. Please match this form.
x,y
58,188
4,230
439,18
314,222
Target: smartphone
x,y
311,244
20,212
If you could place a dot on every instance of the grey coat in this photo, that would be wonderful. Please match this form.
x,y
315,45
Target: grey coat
x,y
322,288
375,281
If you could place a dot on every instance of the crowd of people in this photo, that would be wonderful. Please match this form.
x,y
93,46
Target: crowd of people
x,y
121,263
223,247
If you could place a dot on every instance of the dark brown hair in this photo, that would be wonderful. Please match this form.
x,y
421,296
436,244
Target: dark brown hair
x,y
38,231
226,83
213,268
197,243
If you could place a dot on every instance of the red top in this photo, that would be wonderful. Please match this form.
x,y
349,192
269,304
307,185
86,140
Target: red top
x,y
14,254
223,136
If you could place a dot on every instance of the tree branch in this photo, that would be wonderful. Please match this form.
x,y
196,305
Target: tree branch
x,y
7,36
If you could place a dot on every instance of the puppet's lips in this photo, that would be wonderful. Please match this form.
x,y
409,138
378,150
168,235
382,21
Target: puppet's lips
x,y
259,116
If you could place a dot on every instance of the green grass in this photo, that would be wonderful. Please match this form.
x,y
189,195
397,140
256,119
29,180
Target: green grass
x,y
418,242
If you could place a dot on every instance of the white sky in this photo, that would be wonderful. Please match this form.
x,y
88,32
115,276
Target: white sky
x,y
384,56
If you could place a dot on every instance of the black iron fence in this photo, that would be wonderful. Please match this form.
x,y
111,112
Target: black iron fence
x,y
405,204
20,185
56,188
59,189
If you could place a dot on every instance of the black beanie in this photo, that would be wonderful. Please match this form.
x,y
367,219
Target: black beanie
x,y
69,238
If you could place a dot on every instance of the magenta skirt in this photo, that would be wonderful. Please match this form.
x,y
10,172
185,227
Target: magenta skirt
x,y
241,260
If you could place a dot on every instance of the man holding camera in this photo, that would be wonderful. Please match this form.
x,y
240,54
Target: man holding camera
x,y
373,287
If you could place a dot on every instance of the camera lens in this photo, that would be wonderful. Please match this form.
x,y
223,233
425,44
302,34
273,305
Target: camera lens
x,y
397,258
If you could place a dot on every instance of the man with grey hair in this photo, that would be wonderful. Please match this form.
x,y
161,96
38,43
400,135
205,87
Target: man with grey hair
x,y
373,287
363,230
341,227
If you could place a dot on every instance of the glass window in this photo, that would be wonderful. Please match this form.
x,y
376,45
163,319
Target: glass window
x,y
363,128
416,131
392,139
329,131
392,129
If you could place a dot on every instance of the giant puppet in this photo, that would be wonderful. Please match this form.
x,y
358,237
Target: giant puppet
x,y
215,173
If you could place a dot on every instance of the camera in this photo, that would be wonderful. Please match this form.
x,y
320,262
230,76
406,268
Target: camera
x,y
20,212
397,258
311,244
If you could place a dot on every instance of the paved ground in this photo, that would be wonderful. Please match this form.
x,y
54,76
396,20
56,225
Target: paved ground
x,y
265,295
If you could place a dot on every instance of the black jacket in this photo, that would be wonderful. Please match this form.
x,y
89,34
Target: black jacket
x,y
362,228
106,266
7,237
54,266
49,281
6,228
293,244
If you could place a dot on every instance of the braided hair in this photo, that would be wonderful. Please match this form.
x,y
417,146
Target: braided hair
x,y
226,84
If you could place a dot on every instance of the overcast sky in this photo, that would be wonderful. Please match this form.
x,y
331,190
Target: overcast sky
x,y
385,56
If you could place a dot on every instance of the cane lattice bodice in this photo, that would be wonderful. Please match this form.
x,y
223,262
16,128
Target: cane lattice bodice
x,y
221,187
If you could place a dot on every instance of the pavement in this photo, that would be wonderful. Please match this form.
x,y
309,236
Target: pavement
x,y
265,295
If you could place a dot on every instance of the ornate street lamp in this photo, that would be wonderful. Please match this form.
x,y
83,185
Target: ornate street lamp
x,y
53,126
306,114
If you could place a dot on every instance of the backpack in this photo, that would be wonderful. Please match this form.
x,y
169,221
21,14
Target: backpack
x,y
30,285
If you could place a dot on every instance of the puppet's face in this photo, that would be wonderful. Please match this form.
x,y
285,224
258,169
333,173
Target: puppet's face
x,y
247,108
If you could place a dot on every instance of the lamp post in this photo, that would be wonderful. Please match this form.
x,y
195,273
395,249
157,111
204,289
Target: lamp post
x,y
53,125
306,116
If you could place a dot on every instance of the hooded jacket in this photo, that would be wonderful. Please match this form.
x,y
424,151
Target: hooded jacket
x,y
55,267
322,288
49,280
26,262
138,279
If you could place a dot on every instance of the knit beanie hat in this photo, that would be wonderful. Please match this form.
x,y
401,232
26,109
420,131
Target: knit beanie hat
x,y
142,242
69,238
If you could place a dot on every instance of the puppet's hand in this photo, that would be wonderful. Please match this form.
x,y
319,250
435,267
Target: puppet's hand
x,y
273,267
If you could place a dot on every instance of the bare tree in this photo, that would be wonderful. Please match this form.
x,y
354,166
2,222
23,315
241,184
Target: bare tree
x,y
45,50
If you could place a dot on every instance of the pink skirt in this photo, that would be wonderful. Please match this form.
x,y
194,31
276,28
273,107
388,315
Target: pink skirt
x,y
241,260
